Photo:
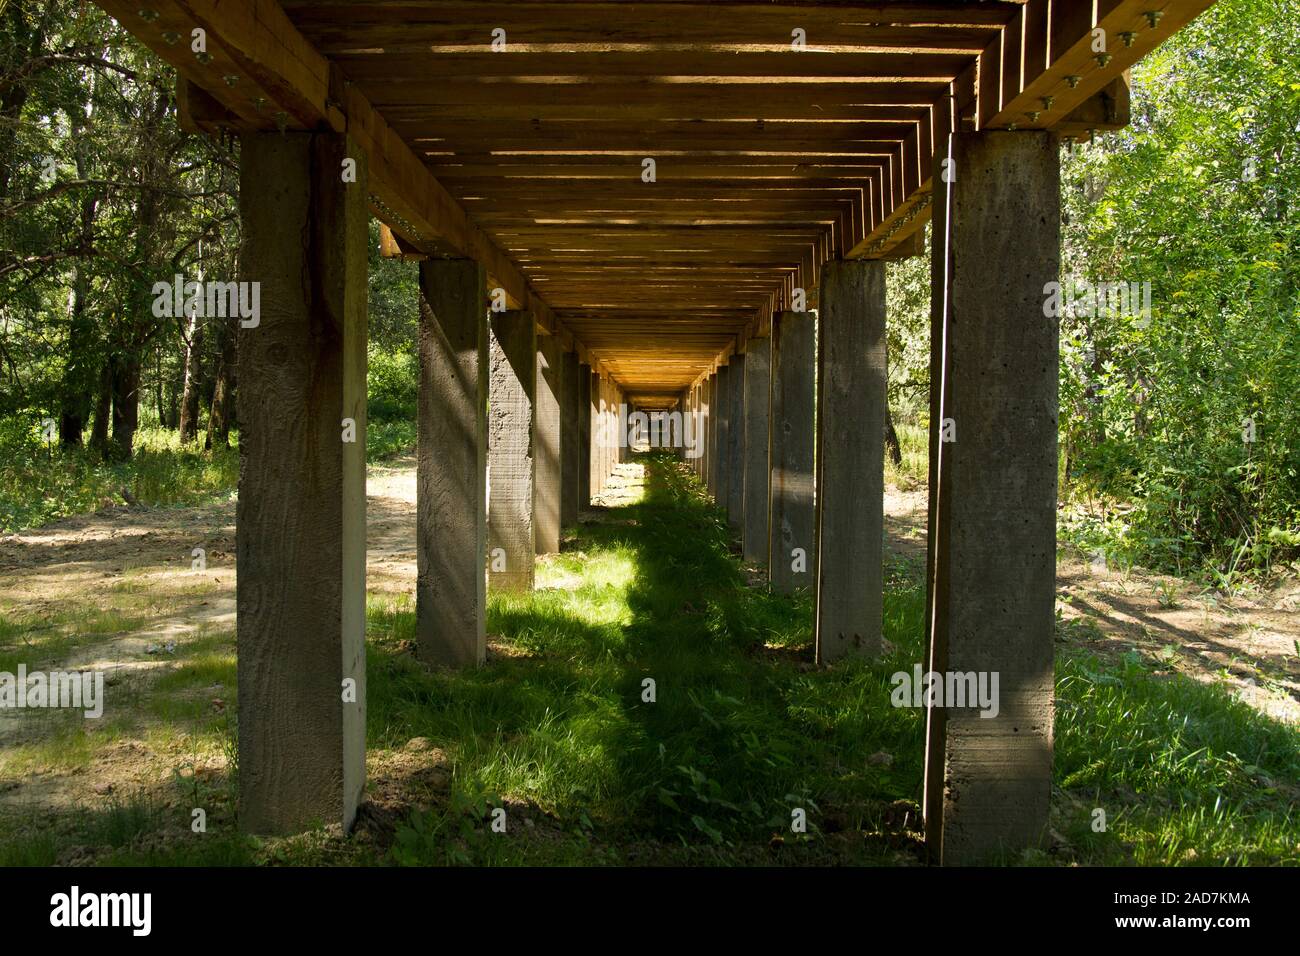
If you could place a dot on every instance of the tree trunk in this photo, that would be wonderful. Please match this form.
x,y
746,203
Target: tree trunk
x,y
103,405
219,416
891,439
78,381
126,405
75,393
189,423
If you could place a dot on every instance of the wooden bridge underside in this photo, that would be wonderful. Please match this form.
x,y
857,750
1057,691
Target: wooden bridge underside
x,y
769,160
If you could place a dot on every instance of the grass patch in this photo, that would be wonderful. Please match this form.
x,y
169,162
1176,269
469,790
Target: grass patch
x,y
558,729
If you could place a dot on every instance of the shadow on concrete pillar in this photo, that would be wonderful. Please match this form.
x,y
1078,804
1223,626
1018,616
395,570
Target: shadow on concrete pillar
x,y
569,448
722,417
301,514
758,396
546,491
851,397
735,503
584,436
793,552
511,394
993,493
451,465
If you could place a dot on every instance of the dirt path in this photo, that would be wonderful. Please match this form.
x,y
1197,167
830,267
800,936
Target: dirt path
x,y
116,590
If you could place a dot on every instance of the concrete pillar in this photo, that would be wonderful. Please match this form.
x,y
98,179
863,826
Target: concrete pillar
x,y
992,587
758,394
597,433
793,550
624,435
569,448
851,399
451,464
512,392
711,435
547,487
301,516
584,436
722,400
735,464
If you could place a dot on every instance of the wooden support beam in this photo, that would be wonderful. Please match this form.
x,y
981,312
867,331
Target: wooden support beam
x,y
268,76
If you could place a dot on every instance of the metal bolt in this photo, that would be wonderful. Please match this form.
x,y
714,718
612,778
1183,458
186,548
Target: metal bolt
x,y
1073,80
148,16
1153,16
1103,59
1033,116
231,79
171,38
1128,36
1048,101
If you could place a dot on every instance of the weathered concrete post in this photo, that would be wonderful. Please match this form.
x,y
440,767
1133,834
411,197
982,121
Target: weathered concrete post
x,y
597,433
301,516
510,450
793,548
992,589
624,438
569,448
451,467
710,434
584,435
722,473
546,489
851,399
758,394
735,465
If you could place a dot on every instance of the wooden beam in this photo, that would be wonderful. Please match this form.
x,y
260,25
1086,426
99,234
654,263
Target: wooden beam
x,y
279,79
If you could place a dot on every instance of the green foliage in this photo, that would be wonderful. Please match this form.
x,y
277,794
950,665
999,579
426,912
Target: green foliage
x,y
1199,197
1178,766
39,484
392,383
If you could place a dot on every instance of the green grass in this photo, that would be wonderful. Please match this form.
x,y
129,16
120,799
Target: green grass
x,y
742,731
39,485
914,443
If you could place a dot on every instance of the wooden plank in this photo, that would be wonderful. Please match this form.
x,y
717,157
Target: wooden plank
x,y
254,41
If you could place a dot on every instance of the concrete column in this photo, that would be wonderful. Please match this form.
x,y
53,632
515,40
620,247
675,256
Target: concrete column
x,y
758,395
722,474
624,437
851,399
301,516
512,392
735,466
992,587
711,435
598,433
451,464
546,489
569,439
702,432
584,436
793,550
